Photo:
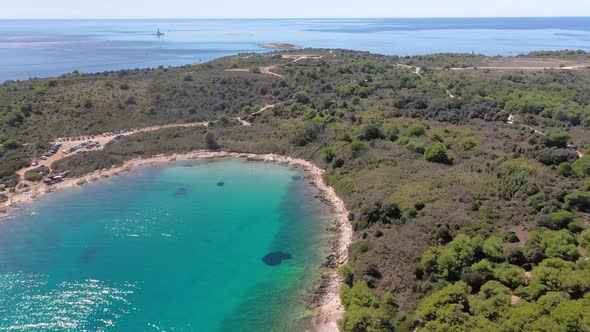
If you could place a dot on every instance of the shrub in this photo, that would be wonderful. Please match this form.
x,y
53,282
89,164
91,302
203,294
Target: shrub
x,y
510,237
554,156
328,155
379,212
419,205
346,138
468,144
416,130
338,163
411,213
346,273
437,153
515,179
32,175
579,200
371,132
187,77
301,97
210,141
357,147
565,169
404,140
561,218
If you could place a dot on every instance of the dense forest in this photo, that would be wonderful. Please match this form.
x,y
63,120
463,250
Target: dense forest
x,y
468,187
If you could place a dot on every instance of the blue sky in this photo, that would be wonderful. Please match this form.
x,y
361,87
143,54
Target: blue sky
x,y
289,8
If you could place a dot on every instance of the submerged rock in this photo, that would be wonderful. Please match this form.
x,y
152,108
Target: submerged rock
x,y
296,178
276,258
89,255
180,192
187,165
220,184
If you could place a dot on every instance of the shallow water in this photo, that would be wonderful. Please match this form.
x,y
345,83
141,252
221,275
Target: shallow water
x,y
165,248
44,48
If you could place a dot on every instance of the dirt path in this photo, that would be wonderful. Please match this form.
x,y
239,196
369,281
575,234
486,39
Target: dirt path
x,y
451,95
244,122
301,57
415,70
518,68
68,143
510,121
263,70
268,71
243,70
266,107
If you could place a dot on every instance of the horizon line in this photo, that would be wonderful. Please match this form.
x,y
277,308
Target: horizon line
x,y
280,18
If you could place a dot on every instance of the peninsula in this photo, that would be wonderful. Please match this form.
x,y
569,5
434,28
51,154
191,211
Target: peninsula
x,y
460,183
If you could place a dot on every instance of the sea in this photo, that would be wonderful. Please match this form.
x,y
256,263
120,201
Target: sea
x,y
45,48
227,245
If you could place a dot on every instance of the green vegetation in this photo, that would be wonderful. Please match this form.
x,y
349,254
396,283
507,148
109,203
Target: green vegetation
x,y
451,207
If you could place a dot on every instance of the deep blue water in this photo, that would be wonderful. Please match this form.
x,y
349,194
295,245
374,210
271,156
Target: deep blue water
x,y
43,48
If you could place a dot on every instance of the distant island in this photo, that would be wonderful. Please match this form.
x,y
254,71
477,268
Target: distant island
x,y
279,46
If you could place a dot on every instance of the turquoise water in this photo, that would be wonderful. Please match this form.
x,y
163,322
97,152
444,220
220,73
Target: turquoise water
x,y
166,249
43,48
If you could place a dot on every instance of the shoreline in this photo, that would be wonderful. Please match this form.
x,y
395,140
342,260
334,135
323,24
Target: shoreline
x,y
326,300
279,46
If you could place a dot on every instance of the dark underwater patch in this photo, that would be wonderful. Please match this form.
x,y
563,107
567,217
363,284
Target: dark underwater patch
x,y
220,184
276,258
296,178
89,255
187,165
180,192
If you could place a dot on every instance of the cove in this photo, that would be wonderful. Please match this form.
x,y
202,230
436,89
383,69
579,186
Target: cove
x,y
167,248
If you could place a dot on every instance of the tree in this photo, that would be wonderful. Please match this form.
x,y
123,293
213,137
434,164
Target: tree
x,y
510,275
565,169
557,139
582,166
584,238
301,97
493,300
10,143
210,141
437,153
552,244
492,248
365,311
453,296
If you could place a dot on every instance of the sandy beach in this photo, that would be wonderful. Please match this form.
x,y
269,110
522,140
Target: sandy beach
x,y
328,308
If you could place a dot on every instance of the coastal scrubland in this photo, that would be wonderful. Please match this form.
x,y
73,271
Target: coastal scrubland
x,y
468,187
